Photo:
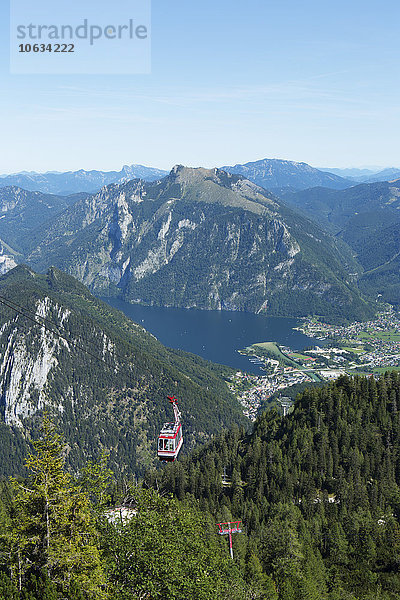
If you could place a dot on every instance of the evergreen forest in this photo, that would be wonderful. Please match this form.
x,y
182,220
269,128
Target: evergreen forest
x,y
317,492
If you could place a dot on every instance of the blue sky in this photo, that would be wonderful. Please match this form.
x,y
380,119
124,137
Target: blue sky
x,y
230,82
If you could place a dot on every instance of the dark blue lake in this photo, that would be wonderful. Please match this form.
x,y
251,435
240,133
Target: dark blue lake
x,y
214,335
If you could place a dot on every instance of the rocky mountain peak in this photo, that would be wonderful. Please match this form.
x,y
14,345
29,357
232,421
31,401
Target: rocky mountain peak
x,y
197,174
183,174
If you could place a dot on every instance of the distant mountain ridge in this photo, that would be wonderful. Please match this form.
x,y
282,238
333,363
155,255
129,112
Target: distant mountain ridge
x,y
73,182
200,238
273,174
366,175
386,175
277,175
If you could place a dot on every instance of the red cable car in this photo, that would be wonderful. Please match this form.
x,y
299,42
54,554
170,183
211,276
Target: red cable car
x,y
170,439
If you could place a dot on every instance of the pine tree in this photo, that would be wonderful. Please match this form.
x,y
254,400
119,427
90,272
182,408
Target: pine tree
x,y
52,530
7,588
39,588
261,586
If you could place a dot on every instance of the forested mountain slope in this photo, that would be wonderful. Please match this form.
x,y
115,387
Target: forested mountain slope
x,y
201,238
60,540
103,378
367,218
22,211
350,211
318,490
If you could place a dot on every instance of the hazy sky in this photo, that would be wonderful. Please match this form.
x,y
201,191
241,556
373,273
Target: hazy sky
x,y
231,81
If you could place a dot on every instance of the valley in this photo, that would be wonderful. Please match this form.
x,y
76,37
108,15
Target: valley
x,y
366,218
370,346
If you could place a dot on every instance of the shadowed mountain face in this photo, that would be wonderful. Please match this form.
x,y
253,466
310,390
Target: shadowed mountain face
x,y
278,175
111,396
22,211
78,181
367,218
200,238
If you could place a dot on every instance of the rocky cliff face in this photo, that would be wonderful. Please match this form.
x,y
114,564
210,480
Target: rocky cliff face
x,y
24,375
31,362
7,261
199,238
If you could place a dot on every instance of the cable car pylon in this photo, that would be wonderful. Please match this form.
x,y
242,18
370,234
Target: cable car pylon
x,y
228,529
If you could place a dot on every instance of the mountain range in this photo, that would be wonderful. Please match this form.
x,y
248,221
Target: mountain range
x,y
199,238
385,175
204,238
367,175
78,181
273,174
22,211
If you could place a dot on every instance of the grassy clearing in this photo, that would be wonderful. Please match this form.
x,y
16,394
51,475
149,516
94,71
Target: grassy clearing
x,y
358,350
271,350
270,347
298,356
386,336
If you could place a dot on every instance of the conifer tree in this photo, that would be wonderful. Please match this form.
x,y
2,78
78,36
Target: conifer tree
x,y
52,530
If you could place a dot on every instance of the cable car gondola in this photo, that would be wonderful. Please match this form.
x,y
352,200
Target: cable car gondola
x,y
170,439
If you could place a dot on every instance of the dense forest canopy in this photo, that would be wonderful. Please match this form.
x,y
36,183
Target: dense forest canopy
x,y
318,493
319,490
58,542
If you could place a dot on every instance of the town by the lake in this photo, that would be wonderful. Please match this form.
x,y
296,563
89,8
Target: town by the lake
x,y
365,348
